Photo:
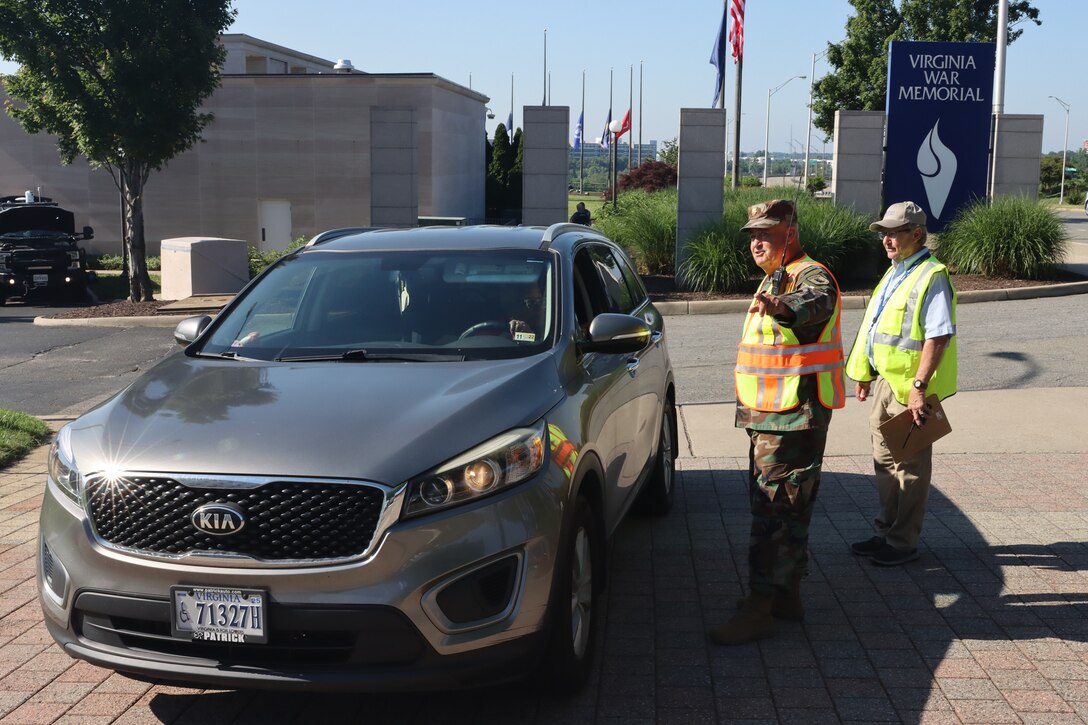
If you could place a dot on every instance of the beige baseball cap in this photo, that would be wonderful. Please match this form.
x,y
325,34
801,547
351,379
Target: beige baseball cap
x,y
770,213
900,215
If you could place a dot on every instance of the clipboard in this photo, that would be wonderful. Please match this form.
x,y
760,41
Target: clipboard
x,y
904,439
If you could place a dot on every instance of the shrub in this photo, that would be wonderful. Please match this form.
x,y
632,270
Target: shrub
x,y
718,257
717,260
649,176
1010,237
644,223
258,260
749,182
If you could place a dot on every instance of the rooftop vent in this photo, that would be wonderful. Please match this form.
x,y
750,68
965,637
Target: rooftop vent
x,y
343,66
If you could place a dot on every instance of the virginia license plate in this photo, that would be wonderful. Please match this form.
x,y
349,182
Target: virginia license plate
x,y
214,614
40,279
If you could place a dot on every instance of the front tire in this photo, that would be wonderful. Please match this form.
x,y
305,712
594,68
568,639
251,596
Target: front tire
x,y
573,620
657,495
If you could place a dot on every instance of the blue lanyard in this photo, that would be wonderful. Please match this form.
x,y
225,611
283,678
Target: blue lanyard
x,y
889,289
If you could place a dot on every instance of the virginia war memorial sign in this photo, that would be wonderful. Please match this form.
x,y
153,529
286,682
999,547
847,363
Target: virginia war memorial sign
x,y
940,98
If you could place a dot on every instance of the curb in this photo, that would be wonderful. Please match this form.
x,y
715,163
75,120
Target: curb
x,y
697,307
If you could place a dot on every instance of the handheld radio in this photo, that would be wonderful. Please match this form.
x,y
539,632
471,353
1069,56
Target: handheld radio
x,y
779,277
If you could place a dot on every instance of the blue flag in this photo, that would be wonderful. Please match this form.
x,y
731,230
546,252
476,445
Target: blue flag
x,y
578,132
510,123
607,123
717,57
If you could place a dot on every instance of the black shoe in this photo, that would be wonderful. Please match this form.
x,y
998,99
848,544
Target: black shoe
x,y
867,547
888,555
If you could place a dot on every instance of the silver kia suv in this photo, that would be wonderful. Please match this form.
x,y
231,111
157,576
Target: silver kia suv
x,y
394,461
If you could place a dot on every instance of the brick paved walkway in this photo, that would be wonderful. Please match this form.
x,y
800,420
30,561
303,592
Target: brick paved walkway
x,y
989,626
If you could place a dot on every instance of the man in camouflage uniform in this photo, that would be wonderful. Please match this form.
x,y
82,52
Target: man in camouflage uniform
x,y
789,378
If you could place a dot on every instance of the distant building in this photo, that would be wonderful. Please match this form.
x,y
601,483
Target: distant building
x,y
593,149
299,144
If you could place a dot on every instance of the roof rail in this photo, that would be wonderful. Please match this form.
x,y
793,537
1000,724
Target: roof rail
x,y
562,228
330,234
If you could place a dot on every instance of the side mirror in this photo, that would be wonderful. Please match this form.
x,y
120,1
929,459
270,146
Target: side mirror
x,y
88,233
190,328
616,334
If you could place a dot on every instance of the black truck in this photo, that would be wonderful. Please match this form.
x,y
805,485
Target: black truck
x,y
39,251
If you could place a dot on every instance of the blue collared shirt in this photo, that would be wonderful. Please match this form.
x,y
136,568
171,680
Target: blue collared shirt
x,y
936,306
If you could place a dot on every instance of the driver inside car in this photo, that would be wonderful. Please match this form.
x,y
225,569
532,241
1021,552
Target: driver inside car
x,y
524,307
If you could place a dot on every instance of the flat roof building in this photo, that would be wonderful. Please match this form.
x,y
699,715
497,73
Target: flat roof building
x,y
298,144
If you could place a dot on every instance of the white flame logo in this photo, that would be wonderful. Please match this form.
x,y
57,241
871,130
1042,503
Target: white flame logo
x,y
937,165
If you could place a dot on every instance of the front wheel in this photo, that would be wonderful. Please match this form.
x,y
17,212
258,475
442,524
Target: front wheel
x,y
656,496
574,616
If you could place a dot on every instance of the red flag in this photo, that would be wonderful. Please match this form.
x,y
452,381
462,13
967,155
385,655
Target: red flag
x,y
736,34
626,126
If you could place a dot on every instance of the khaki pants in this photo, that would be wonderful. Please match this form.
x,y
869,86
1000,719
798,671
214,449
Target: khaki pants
x,y
903,487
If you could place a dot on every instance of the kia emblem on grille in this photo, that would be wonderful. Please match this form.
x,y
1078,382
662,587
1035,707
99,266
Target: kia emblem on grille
x,y
218,519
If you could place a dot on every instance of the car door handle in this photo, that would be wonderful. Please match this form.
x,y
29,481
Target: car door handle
x,y
632,366
655,337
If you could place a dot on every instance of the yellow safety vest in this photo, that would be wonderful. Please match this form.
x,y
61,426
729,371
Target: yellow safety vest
x,y
771,360
899,337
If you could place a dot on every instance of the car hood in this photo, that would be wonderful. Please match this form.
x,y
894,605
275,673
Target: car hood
x,y
379,421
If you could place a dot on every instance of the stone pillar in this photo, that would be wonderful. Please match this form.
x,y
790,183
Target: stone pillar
x,y
1019,155
544,179
394,176
700,183
858,160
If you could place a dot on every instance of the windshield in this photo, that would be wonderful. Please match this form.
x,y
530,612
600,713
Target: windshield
x,y
358,306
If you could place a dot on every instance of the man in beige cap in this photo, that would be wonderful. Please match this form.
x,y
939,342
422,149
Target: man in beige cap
x,y
906,344
789,378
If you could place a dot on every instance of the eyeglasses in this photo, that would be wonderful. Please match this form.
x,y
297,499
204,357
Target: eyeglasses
x,y
894,232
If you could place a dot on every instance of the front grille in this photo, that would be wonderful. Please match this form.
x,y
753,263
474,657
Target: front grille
x,y
286,520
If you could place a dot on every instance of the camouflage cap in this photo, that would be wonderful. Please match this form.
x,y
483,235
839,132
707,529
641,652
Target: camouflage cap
x,y
770,213
903,214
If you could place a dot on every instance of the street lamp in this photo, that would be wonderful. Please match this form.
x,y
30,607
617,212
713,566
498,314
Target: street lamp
x,y
767,131
808,138
1065,145
615,127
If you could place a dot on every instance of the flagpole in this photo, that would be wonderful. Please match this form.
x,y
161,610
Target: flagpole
x,y
545,102
630,105
736,124
640,113
582,141
511,101
607,130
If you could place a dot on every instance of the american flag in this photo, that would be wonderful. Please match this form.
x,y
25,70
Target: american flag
x,y
736,33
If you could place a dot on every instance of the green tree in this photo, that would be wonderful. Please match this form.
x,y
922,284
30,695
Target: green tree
x,y
859,77
1050,175
670,152
119,82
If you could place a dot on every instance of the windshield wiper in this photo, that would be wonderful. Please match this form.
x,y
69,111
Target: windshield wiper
x,y
360,355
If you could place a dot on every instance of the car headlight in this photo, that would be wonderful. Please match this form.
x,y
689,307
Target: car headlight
x,y
493,466
73,260
5,260
62,469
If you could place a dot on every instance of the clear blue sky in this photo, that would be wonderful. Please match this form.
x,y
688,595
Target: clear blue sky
x,y
486,42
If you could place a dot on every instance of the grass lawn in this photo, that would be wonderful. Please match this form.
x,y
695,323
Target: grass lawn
x,y
19,434
110,286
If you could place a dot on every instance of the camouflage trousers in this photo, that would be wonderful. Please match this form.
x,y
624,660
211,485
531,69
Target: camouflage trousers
x,y
783,480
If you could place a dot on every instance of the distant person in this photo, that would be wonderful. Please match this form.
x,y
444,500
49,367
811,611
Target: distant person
x,y
789,378
582,215
907,344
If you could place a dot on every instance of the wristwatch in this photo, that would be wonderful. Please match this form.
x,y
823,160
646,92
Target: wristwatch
x,y
919,385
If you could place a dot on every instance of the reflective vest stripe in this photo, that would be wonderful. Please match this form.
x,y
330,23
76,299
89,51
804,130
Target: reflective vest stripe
x,y
780,372
902,342
784,350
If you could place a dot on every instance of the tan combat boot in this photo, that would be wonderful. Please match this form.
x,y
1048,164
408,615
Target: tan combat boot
x,y
786,604
753,621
